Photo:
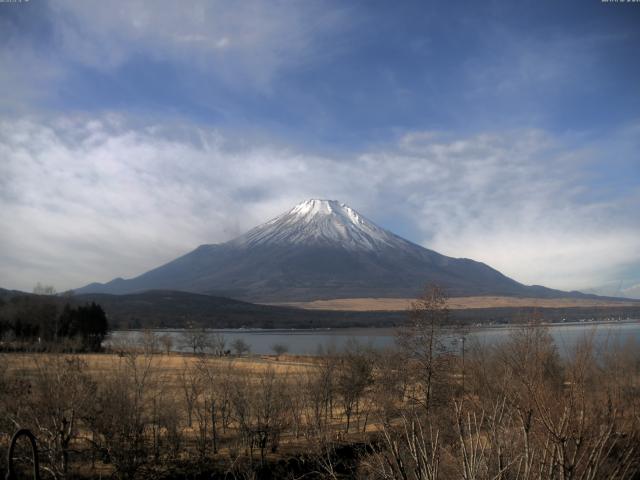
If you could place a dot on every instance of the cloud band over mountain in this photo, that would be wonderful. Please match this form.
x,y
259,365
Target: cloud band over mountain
x,y
89,199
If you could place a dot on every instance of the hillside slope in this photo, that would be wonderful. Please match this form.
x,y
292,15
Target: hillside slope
x,y
321,249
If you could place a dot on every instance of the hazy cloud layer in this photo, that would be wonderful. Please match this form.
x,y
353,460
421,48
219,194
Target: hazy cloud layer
x,y
88,199
244,44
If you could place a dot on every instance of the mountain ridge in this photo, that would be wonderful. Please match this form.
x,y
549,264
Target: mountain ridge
x,y
320,249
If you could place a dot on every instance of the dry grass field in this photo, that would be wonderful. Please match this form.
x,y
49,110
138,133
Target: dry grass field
x,y
168,367
455,303
142,414
171,380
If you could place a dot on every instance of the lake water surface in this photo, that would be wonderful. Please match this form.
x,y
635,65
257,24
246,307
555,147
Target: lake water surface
x,y
308,342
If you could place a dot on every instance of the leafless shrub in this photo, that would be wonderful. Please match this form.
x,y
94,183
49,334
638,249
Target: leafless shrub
x,y
354,375
189,383
319,391
149,342
195,339
391,383
166,341
240,347
120,414
50,404
261,411
217,343
408,451
279,349
213,402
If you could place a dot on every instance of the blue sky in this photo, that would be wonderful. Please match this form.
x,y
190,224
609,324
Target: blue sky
x,y
508,132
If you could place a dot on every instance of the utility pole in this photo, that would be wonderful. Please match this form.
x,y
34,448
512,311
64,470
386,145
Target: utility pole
x,y
463,339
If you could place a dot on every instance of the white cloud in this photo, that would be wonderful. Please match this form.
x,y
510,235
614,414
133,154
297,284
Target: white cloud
x,y
93,199
618,288
521,202
89,199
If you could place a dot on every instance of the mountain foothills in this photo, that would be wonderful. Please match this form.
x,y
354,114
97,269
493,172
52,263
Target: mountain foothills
x,y
321,249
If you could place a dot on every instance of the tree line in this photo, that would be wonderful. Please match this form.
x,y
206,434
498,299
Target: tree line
x,y
45,321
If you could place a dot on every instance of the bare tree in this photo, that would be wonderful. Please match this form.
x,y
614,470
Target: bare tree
x,y
188,379
391,383
240,347
298,405
279,349
195,339
319,390
120,414
544,418
41,289
421,340
261,410
166,341
213,406
61,391
165,426
408,451
150,342
217,343
354,375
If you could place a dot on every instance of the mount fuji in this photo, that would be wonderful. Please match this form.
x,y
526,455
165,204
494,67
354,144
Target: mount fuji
x,y
321,249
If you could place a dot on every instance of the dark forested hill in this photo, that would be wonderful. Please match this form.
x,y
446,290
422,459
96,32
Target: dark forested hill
x,y
158,309
164,309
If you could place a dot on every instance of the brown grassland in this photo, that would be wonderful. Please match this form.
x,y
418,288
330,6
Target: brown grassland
x,y
456,303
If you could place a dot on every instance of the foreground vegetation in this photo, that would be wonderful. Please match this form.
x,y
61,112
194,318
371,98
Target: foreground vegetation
x,y
510,411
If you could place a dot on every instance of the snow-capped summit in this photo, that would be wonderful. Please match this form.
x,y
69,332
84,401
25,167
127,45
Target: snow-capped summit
x,y
317,206
321,222
320,249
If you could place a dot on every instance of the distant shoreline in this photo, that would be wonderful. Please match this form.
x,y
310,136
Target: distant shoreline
x,y
342,329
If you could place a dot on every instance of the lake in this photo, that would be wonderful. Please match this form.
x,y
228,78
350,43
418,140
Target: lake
x,y
308,342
